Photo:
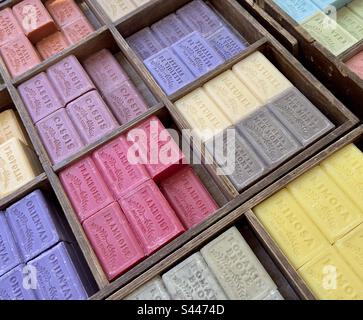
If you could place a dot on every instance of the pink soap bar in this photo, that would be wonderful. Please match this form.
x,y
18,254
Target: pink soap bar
x,y
126,102
39,97
121,176
69,79
77,30
113,241
151,217
105,71
188,196
85,188
19,55
51,45
64,11
91,117
59,136
9,26
356,64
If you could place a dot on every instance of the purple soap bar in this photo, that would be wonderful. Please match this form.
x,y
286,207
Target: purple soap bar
x,y
169,71
197,54
57,275
91,117
198,16
9,253
170,29
12,286
126,102
39,97
35,225
59,136
227,44
145,43
69,79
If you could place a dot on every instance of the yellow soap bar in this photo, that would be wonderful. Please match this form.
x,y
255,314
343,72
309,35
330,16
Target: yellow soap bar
x,y
261,77
351,248
203,115
18,166
291,228
346,168
232,96
330,278
357,7
116,9
10,127
327,205
352,23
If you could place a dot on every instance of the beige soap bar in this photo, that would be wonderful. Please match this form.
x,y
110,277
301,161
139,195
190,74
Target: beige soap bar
x,y
357,7
236,267
116,9
261,77
10,127
352,23
154,290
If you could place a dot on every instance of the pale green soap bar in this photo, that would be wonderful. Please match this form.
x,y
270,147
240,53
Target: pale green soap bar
x,y
350,22
357,7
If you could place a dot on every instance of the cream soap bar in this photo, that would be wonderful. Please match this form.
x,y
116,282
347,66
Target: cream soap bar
x,y
154,290
116,9
348,20
357,7
10,127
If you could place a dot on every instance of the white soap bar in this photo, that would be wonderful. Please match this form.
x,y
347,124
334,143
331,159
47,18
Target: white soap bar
x,y
154,290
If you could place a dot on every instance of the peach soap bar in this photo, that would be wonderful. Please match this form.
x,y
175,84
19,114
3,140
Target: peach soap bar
x,y
52,45
9,26
10,127
64,11
116,9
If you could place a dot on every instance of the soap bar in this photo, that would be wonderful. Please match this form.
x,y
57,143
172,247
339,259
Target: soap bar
x,y
269,137
59,136
151,217
39,97
10,127
331,210
77,30
232,96
203,115
9,252
154,290
193,280
91,117
189,197
105,71
57,275
300,116
126,102
19,56
69,79
227,44
169,71
261,77
357,7
200,17
236,267
291,228
197,54
330,278
170,29
345,167
356,64
85,188
9,26
34,19
331,4
19,166
274,295
120,175
113,241
350,22
139,3
299,10
51,45
116,9
64,11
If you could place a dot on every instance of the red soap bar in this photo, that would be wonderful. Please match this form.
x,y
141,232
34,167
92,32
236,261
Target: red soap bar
x,y
77,30
189,197
19,56
151,217
356,64
113,163
52,45
113,241
64,11
85,188
34,19
9,26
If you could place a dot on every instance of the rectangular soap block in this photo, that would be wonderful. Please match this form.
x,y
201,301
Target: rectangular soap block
x,y
77,30
263,79
291,228
351,22
69,79
11,127
51,45
274,295
234,99
326,204
189,197
113,241
299,10
169,71
64,11
236,267
355,64
59,136
154,290
202,114
151,217
116,9
120,174
39,97
9,26
85,188
300,116
357,7
193,280
330,278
